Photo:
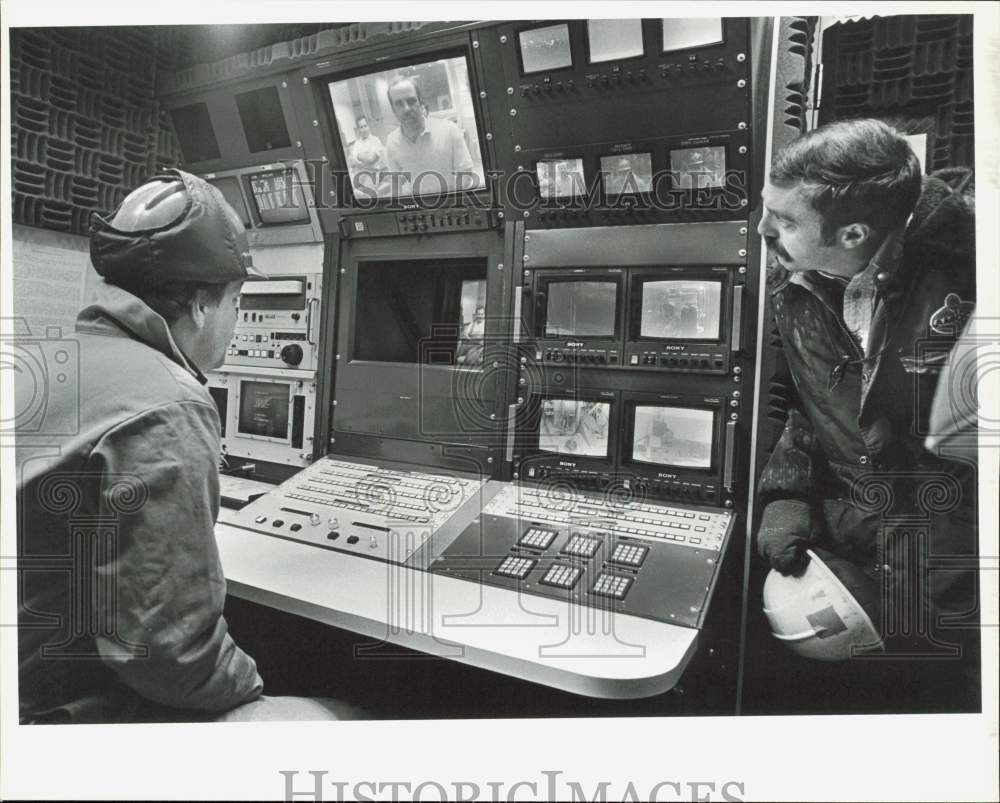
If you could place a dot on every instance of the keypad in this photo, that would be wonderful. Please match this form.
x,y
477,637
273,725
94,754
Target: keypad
x,y
516,567
611,585
562,576
582,546
537,538
629,554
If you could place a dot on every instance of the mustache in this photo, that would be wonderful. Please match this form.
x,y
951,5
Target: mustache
x,y
775,248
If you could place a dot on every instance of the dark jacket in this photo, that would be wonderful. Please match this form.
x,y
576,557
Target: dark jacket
x,y
850,468
120,588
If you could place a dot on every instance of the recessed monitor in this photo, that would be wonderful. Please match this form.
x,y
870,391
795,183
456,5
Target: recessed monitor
x,y
574,427
409,130
680,309
420,311
278,197
561,178
263,119
545,48
699,167
683,34
610,40
673,436
264,409
584,308
627,173
195,133
229,186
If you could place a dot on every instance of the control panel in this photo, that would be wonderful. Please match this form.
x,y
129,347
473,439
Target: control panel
x,y
419,221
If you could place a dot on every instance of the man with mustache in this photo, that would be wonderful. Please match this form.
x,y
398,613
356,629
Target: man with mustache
x,y
430,154
864,256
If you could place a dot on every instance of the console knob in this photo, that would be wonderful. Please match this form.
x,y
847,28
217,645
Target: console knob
x,y
292,354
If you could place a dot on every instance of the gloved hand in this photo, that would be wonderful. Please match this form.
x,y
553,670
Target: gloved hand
x,y
784,535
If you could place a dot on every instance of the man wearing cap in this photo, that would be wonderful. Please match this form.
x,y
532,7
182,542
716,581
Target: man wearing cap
x,y
120,588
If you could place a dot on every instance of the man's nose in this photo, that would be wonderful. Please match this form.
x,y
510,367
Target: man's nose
x,y
766,226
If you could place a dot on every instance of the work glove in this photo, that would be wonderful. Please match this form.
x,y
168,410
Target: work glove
x,y
786,531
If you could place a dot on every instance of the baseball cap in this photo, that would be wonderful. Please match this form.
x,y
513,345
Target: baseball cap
x,y
174,227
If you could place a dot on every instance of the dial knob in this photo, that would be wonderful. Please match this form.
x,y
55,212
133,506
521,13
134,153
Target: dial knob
x,y
292,354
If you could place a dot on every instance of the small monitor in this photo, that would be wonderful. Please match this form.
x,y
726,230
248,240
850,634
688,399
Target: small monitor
x,y
561,178
409,130
680,309
278,197
195,133
673,436
574,427
584,308
699,168
229,186
264,409
683,34
545,48
263,119
627,173
611,40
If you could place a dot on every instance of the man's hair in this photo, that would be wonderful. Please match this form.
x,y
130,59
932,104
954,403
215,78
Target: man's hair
x,y
171,300
399,79
855,171
359,118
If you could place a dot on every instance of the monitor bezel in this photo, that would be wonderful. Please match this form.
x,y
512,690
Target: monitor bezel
x,y
541,279
638,277
649,470
347,198
237,400
537,456
643,37
538,24
662,51
256,214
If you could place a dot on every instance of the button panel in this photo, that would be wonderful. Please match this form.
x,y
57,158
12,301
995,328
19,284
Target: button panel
x,y
611,585
562,576
515,567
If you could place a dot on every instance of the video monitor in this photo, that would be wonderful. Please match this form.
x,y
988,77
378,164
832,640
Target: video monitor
x,y
698,168
584,308
264,409
574,427
545,48
278,197
561,178
680,309
195,133
673,436
683,34
229,186
428,311
409,130
627,173
610,40
263,119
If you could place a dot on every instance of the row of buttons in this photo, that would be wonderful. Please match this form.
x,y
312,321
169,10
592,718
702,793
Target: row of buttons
x,y
676,362
563,576
423,222
581,357
251,353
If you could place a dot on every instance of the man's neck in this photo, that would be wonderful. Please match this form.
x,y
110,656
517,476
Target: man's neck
x,y
415,136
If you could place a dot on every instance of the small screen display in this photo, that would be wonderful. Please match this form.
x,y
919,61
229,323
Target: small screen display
x,y
469,350
673,436
699,168
581,309
614,39
545,48
409,130
278,197
627,173
681,309
264,409
686,33
229,186
561,178
573,427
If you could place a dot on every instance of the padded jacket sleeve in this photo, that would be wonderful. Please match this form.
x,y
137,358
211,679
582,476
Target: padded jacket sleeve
x,y
166,589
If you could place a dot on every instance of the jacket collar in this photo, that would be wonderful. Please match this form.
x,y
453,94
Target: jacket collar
x,y
115,312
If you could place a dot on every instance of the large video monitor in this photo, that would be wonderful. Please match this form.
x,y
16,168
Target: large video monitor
x,y
409,130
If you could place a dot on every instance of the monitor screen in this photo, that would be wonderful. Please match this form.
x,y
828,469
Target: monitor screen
x,y
545,48
681,309
673,436
682,34
278,196
627,173
409,130
229,186
264,409
699,168
584,308
561,178
420,311
614,39
574,427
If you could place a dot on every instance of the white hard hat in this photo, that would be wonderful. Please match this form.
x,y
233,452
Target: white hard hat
x,y
817,616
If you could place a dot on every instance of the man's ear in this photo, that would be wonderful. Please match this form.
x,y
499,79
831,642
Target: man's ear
x,y
854,235
197,309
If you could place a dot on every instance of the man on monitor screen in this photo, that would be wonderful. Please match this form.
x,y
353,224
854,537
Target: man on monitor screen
x,y
122,481
367,160
428,154
871,278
